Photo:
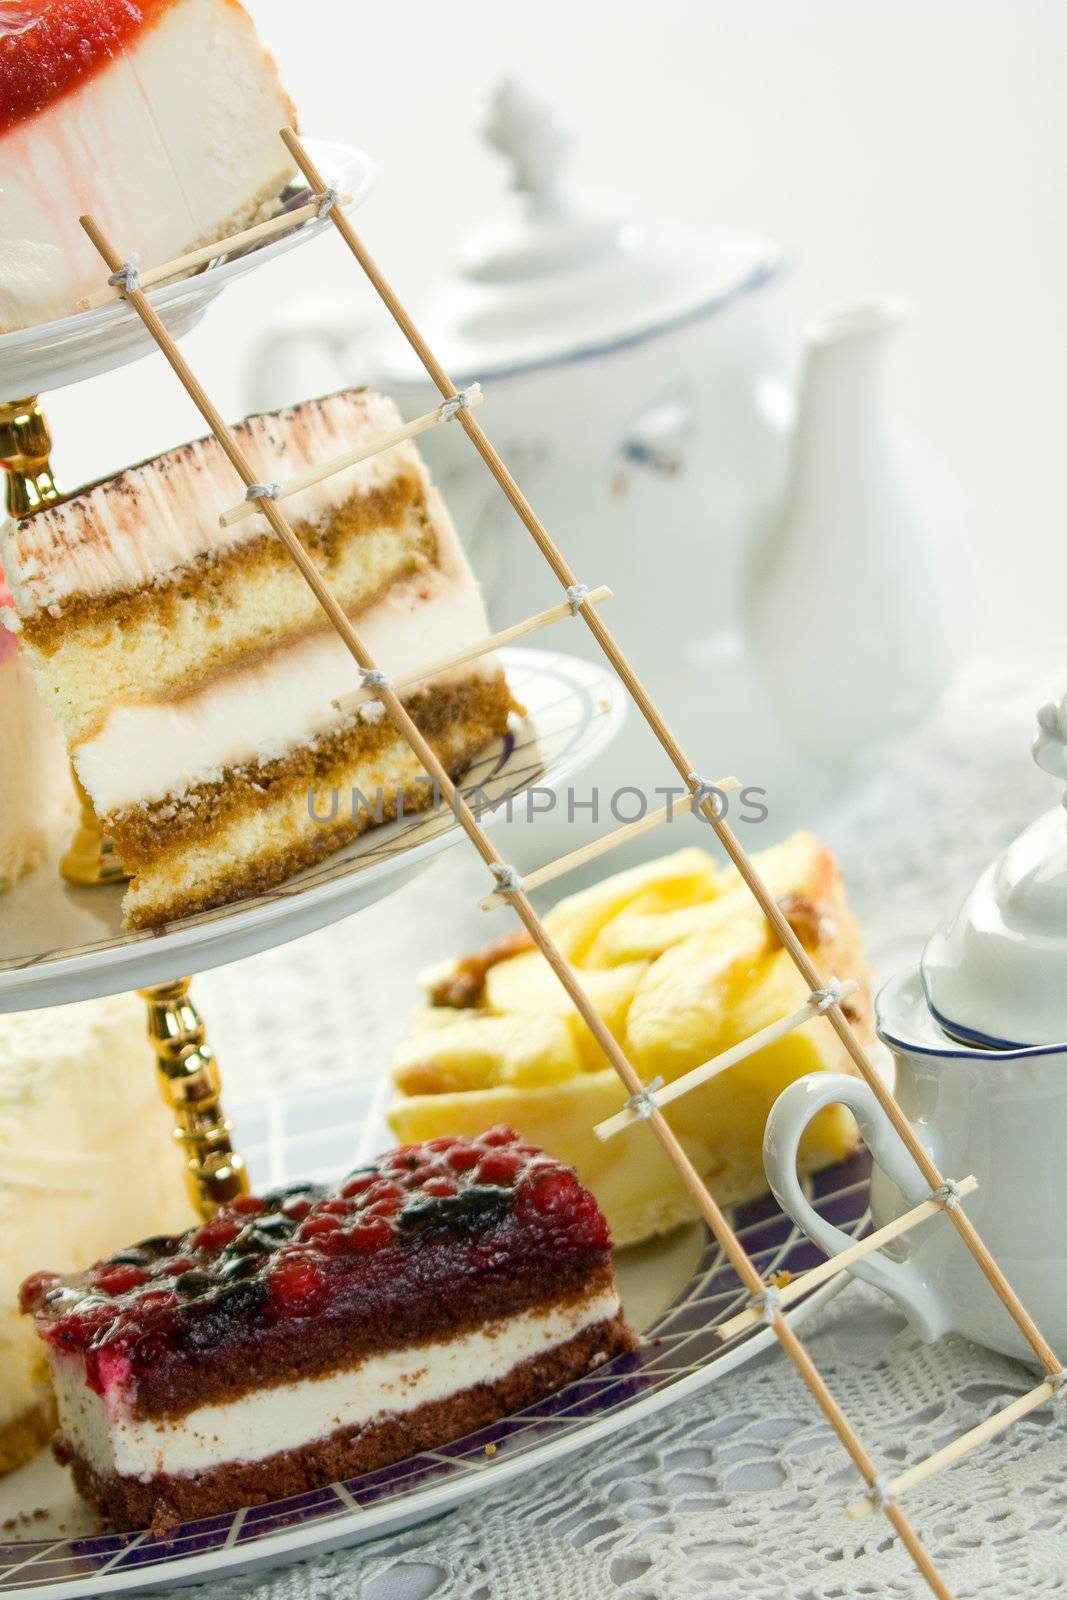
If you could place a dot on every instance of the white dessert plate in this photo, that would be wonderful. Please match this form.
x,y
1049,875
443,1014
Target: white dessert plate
x,y
53,354
676,1290
59,943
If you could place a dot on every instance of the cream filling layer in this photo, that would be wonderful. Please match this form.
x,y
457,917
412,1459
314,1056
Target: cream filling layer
x,y
268,1421
146,752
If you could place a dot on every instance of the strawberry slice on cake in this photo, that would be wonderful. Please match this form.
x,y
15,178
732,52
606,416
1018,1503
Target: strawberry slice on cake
x,y
314,1333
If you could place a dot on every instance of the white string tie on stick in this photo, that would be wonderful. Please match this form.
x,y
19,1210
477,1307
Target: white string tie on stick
x,y
128,276
458,402
508,880
373,678
766,1303
880,1492
832,995
948,1194
577,595
703,790
643,1103
263,491
327,200
1058,1380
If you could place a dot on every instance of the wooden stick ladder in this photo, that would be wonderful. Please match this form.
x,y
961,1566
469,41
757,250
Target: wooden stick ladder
x,y
507,880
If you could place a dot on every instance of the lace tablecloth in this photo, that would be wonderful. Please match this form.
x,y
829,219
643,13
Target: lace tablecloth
x,y
740,1491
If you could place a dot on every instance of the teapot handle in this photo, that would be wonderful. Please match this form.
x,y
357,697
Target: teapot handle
x,y
904,1281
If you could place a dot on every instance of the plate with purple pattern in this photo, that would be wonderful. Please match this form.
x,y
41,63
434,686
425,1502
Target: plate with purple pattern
x,y
676,1291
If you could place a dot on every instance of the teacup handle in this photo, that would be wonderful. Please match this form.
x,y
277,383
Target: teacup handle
x,y
904,1282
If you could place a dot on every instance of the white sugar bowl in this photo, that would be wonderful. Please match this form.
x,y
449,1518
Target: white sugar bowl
x,y
978,1034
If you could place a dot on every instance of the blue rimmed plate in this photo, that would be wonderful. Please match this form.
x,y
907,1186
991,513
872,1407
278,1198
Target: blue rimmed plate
x,y
676,1291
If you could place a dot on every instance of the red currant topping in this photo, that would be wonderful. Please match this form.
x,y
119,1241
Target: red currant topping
x,y
494,1137
463,1157
314,1227
358,1182
175,1268
444,1143
372,1234
298,1287
33,1289
77,1329
552,1191
387,1206
247,1205
500,1166
215,1234
155,1302
334,1208
117,1279
440,1187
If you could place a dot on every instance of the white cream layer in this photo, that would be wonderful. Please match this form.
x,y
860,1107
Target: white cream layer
x,y
160,517
145,752
294,1414
164,145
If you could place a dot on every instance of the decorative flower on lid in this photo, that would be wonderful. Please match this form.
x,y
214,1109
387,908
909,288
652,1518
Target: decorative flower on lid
x,y
996,975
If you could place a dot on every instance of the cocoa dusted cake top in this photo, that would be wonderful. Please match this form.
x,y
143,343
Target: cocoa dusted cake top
x,y
419,1240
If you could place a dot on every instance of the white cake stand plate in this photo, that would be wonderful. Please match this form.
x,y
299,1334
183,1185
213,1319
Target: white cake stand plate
x,y
59,943
52,354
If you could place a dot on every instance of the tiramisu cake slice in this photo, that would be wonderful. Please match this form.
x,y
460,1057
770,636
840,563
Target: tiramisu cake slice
x,y
311,1335
193,673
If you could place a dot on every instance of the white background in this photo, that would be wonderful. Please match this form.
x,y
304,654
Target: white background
x,y
901,145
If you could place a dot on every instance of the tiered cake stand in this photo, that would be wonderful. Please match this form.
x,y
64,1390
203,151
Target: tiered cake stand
x,y
61,937
570,718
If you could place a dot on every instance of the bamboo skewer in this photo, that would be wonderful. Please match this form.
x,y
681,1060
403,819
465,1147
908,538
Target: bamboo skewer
x,y
599,847
725,834
207,252
828,1269
351,458
727,1058
458,658
959,1447
706,1205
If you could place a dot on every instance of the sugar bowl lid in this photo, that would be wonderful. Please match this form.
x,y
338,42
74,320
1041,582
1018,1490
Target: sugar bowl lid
x,y
996,974
561,273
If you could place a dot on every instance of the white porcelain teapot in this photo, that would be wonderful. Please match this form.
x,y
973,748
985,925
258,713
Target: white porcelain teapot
x,y
636,381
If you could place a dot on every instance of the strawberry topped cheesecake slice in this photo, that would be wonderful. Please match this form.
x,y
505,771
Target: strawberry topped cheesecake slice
x,y
313,1334
160,117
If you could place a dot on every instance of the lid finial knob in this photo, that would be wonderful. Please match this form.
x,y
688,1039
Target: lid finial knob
x,y
1050,746
526,133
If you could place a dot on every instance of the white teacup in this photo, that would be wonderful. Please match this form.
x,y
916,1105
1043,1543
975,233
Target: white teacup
x,y
1001,1114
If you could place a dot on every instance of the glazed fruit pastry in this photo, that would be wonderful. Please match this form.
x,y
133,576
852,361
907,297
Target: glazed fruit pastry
x,y
313,1333
681,963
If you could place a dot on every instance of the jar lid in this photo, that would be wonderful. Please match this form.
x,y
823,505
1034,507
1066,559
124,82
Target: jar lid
x,y
557,275
996,975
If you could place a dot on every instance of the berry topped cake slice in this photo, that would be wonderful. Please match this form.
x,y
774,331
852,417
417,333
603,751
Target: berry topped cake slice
x,y
313,1334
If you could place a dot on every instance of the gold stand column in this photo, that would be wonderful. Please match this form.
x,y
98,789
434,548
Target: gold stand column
x,y
191,1085
188,1071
